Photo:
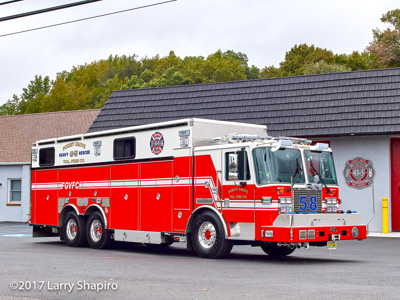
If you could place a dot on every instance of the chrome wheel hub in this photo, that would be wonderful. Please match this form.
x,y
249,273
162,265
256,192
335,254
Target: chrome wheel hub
x,y
207,235
96,230
72,229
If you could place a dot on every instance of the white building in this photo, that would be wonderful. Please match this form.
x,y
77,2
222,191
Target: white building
x,y
358,113
17,133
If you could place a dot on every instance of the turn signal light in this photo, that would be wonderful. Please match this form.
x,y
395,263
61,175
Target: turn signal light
x,y
281,191
334,192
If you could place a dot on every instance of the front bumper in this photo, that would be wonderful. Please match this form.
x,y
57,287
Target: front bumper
x,y
314,228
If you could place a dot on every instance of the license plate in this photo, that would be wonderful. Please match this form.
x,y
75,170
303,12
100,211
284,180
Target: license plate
x,y
331,246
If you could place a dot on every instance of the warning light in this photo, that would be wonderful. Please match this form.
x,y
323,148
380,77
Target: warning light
x,y
281,190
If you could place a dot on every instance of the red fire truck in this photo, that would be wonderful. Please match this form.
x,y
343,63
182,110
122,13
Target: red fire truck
x,y
211,184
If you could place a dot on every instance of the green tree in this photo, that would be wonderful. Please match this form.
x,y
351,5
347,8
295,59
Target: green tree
x,y
251,72
271,72
193,68
11,107
219,68
358,60
386,44
33,95
299,61
301,55
323,67
148,75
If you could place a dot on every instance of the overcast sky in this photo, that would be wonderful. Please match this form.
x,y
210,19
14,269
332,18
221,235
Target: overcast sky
x,y
263,29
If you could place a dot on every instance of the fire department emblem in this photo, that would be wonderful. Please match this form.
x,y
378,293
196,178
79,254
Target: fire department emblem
x,y
157,143
358,173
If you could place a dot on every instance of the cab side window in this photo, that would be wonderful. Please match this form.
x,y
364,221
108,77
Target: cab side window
x,y
242,165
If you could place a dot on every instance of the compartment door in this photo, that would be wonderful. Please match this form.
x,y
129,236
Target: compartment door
x,y
156,196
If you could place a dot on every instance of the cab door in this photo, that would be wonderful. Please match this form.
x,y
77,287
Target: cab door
x,y
238,202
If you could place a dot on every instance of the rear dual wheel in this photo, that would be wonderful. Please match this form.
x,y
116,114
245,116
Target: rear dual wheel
x,y
73,230
78,232
98,236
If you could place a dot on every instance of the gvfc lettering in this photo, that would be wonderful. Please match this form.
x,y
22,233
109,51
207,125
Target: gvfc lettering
x,y
70,185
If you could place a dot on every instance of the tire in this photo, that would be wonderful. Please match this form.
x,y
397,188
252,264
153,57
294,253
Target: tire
x,y
73,230
272,249
208,236
97,236
62,234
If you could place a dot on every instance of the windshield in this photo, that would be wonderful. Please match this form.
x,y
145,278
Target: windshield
x,y
320,163
278,166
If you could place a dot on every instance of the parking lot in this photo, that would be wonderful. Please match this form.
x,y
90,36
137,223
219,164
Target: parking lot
x,y
45,268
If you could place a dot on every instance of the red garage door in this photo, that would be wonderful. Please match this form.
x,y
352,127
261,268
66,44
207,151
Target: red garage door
x,y
395,169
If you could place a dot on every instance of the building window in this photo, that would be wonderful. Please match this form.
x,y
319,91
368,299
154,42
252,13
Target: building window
x,y
124,148
15,191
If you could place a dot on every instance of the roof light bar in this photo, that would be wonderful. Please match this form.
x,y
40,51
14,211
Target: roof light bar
x,y
247,137
322,146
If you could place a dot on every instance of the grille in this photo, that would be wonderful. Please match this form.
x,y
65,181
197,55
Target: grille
x,y
307,201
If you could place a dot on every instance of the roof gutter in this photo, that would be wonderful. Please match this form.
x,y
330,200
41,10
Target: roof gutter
x,y
18,163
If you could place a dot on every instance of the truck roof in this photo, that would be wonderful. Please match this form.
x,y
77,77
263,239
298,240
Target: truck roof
x,y
177,123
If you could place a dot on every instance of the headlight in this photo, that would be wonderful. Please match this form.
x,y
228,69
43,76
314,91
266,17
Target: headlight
x,y
285,209
284,200
331,201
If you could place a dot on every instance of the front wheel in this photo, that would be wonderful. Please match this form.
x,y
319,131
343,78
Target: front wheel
x,y
272,249
97,236
208,236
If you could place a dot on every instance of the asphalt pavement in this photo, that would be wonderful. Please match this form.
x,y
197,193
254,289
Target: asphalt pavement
x,y
45,268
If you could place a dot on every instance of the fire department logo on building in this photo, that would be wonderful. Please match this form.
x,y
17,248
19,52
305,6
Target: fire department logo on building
x,y
157,143
358,173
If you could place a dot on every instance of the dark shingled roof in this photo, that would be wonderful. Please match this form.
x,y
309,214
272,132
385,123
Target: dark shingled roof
x,y
361,102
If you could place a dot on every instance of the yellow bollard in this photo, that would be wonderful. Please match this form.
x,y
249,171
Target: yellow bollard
x,y
385,216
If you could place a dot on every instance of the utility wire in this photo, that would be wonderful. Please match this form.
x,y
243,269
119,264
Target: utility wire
x,y
45,10
89,18
11,1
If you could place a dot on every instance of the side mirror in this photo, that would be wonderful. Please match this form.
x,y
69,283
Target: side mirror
x,y
233,170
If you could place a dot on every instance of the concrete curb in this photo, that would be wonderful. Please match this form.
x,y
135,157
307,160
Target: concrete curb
x,y
387,235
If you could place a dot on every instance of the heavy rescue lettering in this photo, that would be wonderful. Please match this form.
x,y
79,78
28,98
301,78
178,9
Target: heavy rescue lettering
x,y
70,185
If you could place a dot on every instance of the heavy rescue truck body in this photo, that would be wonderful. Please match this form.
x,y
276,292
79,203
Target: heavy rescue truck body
x,y
211,184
